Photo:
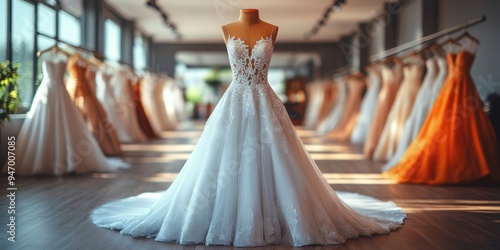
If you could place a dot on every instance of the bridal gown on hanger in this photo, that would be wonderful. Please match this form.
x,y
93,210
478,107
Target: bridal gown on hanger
x,y
250,181
392,78
368,106
149,93
343,130
104,93
125,108
335,114
314,104
401,109
54,138
141,112
169,102
328,99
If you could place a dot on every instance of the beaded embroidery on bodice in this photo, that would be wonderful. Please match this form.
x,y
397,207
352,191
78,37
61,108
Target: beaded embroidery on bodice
x,y
250,66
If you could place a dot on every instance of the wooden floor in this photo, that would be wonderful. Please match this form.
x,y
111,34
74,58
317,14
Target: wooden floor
x,y
54,213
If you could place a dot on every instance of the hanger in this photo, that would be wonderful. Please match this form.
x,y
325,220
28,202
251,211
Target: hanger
x,y
54,48
466,34
451,46
94,61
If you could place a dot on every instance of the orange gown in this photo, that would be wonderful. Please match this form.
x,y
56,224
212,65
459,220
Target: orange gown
x,y
82,94
457,142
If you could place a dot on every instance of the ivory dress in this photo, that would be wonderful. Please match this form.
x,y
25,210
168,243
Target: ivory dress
x,y
250,181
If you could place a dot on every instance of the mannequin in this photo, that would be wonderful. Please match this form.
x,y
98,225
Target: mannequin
x,y
249,28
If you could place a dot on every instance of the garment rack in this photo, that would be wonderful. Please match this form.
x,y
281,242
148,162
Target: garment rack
x,y
427,39
342,71
95,53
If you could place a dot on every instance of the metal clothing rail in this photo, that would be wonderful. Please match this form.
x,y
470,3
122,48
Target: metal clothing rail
x,y
95,53
57,41
427,39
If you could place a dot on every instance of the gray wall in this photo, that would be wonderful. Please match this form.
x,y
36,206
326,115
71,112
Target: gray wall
x,y
163,54
377,44
486,69
410,23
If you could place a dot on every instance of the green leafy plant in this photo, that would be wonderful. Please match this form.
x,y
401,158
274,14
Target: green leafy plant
x,y
9,95
213,79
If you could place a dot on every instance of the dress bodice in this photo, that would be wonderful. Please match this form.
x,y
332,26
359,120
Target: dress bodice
x,y
77,68
431,66
450,59
443,68
374,78
414,72
250,66
392,77
90,75
463,62
54,68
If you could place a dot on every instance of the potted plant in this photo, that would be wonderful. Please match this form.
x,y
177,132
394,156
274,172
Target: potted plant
x,y
213,80
9,95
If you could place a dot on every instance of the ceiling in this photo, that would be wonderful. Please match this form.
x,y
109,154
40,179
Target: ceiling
x,y
200,21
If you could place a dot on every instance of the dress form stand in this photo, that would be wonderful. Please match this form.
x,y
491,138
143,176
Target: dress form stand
x,y
249,28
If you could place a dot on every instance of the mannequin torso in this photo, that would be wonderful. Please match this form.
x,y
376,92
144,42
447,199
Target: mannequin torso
x,y
249,28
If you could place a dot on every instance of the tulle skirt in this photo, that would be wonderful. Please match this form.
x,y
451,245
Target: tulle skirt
x,y
250,182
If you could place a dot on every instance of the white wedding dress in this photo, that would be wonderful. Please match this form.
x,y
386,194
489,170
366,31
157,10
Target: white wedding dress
x,y
250,181
125,106
335,114
315,95
54,138
368,107
104,93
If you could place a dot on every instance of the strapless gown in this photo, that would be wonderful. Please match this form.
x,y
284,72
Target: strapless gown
x,y
250,181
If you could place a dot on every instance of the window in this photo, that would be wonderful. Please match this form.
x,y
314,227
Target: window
x,y
3,31
46,20
140,53
23,47
69,28
112,40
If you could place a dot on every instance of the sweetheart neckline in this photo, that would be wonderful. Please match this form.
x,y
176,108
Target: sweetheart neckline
x,y
247,47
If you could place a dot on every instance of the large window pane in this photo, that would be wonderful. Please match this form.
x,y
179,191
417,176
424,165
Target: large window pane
x,y
69,28
139,53
46,20
112,40
3,30
23,46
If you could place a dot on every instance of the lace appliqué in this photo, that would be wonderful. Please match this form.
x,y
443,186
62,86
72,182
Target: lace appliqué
x,y
250,67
